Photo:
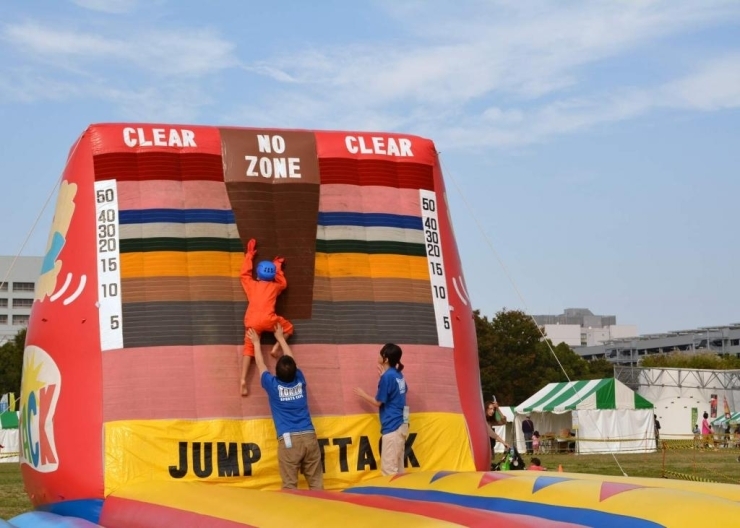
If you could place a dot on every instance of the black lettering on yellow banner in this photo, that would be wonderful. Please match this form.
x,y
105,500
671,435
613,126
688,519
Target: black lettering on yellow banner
x,y
251,454
342,443
204,470
365,456
181,470
323,442
410,459
227,459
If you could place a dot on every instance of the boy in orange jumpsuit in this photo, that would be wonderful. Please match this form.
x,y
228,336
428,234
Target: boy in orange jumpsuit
x,y
261,294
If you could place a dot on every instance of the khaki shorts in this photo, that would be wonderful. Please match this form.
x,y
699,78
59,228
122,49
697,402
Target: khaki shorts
x,y
394,451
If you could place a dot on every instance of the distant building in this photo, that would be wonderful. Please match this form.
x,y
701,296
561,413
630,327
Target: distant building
x,y
579,327
582,317
629,350
17,293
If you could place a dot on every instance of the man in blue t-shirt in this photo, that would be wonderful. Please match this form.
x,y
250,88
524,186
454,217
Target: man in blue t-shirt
x,y
298,447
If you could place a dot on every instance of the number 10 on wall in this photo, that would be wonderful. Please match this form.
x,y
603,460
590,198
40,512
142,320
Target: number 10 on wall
x,y
433,245
109,275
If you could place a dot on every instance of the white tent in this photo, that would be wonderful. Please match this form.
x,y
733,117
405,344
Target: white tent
x,y
505,431
682,396
605,415
9,437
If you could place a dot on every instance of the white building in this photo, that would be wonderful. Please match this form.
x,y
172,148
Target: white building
x,y
570,334
16,293
575,335
580,327
597,336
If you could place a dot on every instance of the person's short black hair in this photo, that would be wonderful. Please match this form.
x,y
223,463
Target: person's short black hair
x,y
536,461
285,369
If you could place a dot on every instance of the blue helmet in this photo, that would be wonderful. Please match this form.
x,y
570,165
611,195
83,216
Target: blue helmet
x,y
266,270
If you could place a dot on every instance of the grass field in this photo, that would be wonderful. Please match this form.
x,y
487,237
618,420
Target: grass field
x,y
718,466
13,499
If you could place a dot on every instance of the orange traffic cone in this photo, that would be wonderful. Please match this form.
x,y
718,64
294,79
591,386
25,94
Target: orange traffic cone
x,y
560,468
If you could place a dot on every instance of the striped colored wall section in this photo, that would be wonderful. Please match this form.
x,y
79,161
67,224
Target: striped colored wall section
x,y
181,250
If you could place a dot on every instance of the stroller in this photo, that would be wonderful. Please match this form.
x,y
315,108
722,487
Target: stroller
x,y
510,461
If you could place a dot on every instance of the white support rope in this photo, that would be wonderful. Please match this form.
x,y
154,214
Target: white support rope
x,y
511,280
28,236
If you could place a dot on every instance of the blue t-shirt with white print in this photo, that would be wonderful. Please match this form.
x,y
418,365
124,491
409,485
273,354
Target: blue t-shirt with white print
x,y
392,398
288,403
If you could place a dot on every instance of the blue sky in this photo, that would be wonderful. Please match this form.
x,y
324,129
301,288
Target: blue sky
x,y
594,142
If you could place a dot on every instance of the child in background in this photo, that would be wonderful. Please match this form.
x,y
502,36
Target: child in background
x,y
536,442
536,465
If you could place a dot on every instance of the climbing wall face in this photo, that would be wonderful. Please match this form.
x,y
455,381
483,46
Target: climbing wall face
x,y
135,343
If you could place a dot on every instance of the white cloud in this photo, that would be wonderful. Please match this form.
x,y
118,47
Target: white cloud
x,y
28,86
161,52
714,86
166,102
114,7
482,72
526,49
148,74
498,72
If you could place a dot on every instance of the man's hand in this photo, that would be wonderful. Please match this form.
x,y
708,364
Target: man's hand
x,y
280,338
279,335
254,337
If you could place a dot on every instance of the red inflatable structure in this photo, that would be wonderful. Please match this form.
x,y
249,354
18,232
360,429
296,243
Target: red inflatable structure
x,y
132,366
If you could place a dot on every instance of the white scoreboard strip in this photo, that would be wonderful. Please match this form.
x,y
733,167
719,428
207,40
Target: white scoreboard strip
x,y
430,220
110,313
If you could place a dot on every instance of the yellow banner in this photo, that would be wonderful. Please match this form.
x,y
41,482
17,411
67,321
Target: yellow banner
x,y
244,452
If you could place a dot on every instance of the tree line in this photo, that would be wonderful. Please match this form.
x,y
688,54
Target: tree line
x,y
515,362
11,364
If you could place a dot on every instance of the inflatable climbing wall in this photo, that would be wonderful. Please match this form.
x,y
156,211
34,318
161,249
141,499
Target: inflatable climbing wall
x,y
133,357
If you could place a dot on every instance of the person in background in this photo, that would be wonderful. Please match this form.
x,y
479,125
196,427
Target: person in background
x,y
697,436
394,413
657,431
726,435
536,465
528,429
536,442
494,418
706,431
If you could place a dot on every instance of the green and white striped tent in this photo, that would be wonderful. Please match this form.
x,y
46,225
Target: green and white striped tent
x,y
606,415
590,394
734,418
